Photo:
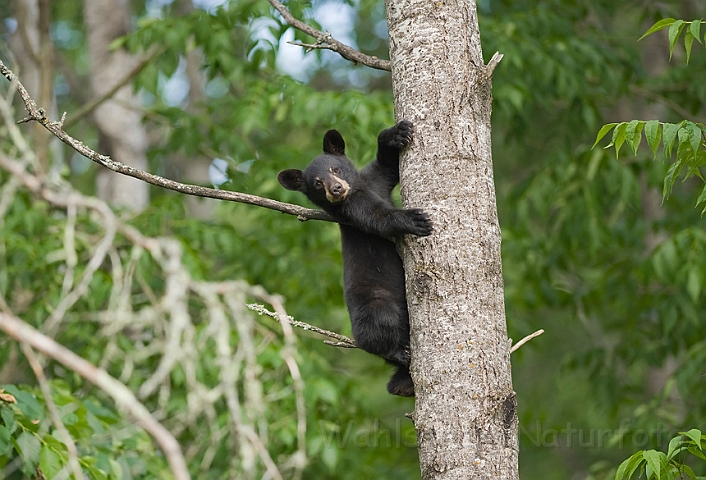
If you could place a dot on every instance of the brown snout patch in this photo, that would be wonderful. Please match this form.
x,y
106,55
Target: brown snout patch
x,y
331,197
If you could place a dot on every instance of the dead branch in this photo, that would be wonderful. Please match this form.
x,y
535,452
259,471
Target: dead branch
x,y
343,341
38,115
24,333
324,40
526,339
492,63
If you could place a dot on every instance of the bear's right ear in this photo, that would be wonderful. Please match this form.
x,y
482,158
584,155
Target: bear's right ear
x,y
291,179
333,143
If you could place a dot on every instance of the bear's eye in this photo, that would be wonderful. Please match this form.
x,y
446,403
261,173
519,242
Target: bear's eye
x,y
336,170
318,183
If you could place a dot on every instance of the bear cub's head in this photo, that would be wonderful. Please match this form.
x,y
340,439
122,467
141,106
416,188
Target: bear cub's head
x,y
329,178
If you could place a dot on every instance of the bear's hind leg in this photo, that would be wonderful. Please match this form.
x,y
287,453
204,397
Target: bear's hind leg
x,y
401,383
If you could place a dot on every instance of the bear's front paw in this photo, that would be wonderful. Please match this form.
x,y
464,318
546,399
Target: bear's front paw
x,y
419,222
398,136
403,134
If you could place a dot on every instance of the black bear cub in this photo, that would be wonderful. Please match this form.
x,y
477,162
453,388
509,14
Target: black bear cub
x,y
373,276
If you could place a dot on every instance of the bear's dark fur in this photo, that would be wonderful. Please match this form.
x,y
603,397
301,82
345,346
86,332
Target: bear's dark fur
x,y
373,276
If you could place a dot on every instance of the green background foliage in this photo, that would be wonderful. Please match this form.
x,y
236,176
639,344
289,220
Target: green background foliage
x,y
109,447
616,281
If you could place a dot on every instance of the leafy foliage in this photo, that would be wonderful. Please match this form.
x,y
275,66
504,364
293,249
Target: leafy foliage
x,y
690,137
656,465
690,143
692,29
109,448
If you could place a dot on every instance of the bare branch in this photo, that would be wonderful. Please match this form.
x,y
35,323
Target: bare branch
x,y
24,333
326,41
37,114
311,46
340,344
343,341
526,339
492,63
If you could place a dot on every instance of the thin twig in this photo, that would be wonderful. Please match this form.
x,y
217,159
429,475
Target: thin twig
x,y
492,63
325,40
343,341
37,114
310,46
24,333
53,411
526,339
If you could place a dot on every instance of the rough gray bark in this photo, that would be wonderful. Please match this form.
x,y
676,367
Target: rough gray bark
x,y
465,412
119,121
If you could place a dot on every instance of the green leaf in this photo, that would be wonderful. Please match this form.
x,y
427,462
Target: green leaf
x,y
50,462
695,435
95,472
633,134
4,439
695,29
670,178
628,467
602,132
694,135
653,133
330,456
694,283
26,402
8,418
652,457
619,137
117,43
593,164
670,133
116,471
689,472
674,32
701,199
28,446
683,151
673,444
688,42
664,23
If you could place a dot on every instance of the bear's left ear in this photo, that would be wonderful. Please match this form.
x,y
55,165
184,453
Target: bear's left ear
x,y
291,179
333,143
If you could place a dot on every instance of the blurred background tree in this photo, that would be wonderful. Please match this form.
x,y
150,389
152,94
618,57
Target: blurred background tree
x,y
214,95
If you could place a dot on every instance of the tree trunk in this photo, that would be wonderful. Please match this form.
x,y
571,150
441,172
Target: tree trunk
x,y
465,412
119,121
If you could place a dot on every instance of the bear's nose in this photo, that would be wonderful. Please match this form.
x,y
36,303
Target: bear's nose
x,y
337,189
